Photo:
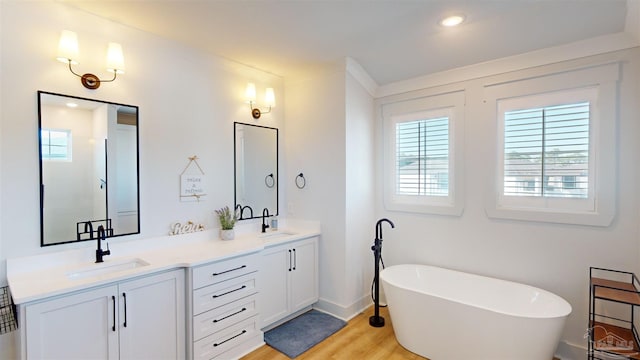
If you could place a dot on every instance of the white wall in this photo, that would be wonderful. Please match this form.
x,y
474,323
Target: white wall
x,y
550,256
187,102
329,138
360,196
315,146
632,22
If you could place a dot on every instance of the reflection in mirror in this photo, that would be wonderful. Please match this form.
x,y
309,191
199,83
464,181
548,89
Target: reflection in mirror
x,y
88,168
256,170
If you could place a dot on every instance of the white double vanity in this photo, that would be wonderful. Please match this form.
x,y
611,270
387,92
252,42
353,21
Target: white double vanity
x,y
178,297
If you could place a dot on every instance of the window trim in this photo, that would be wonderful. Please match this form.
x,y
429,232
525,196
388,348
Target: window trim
x,y
603,127
548,203
451,104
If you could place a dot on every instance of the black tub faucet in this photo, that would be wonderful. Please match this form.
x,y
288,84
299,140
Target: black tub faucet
x,y
376,320
99,252
265,214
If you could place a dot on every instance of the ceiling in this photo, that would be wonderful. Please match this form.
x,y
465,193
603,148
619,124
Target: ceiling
x,y
392,40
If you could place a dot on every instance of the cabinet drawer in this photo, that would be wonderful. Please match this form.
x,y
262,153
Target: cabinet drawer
x,y
223,270
216,344
214,296
217,319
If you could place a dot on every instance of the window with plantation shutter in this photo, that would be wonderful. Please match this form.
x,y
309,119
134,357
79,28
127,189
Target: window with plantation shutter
x,y
423,161
546,151
556,148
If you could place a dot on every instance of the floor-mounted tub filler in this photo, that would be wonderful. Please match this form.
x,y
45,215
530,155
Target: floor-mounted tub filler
x,y
445,314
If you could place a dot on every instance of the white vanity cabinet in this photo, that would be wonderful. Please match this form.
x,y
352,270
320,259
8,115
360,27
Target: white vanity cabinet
x,y
142,318
224,322
289,279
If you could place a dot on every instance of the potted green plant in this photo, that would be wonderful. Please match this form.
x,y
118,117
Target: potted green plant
x,y
227,222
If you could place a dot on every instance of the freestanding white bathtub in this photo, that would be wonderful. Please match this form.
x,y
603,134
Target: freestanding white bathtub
x,y
445,314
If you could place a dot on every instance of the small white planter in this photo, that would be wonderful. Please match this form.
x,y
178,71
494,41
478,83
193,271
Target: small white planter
x,y
227,234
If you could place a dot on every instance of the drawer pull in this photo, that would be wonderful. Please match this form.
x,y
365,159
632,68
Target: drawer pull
x,y
229,292
230,315
229,339
230,270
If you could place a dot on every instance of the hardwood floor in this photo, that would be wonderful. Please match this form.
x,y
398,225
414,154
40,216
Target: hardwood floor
x,y
357,340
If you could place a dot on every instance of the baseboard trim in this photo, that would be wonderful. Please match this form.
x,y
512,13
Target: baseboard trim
x,y
345,313
569,351
287,318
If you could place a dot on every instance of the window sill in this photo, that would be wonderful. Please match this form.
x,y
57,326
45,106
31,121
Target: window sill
x,y
444,209
602,218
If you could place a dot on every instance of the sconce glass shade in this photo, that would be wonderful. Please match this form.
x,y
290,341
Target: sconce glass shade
x,y
68,47
270,97
115,58
250,93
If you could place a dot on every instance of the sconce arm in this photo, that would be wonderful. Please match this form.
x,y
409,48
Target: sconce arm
x,y
90,81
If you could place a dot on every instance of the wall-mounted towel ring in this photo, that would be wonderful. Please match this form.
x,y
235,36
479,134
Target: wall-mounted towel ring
x,y
301,182
269,180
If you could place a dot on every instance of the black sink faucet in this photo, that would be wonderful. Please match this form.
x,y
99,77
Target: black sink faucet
x,y
265,214
99,252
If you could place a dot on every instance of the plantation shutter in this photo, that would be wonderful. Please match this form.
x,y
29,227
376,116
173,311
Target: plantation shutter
x,y
422,157
546,151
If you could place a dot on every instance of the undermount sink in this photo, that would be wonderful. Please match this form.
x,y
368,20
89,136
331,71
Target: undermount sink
x,y
106,268
276,234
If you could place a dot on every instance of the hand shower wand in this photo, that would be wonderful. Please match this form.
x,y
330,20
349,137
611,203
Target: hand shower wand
x,y
376,320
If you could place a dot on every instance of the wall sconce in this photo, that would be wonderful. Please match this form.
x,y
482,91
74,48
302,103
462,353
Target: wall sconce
x,y
68,53
269,100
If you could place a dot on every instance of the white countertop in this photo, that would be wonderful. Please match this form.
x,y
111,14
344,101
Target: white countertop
x,y
40,276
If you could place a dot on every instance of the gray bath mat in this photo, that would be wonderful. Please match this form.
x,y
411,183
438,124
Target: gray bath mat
x,y
302,333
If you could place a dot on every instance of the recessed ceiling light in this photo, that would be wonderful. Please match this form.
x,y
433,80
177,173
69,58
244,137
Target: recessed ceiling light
x,y
71,105
452,20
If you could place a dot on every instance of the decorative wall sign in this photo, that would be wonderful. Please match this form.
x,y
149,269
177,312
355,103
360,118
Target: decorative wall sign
x,y
190,227
192,184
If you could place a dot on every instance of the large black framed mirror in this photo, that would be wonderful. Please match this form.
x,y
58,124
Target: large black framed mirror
x,y
88,168
256,170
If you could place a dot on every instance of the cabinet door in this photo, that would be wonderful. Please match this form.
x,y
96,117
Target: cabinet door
x,y
152,317
79,326
273,293
304,274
